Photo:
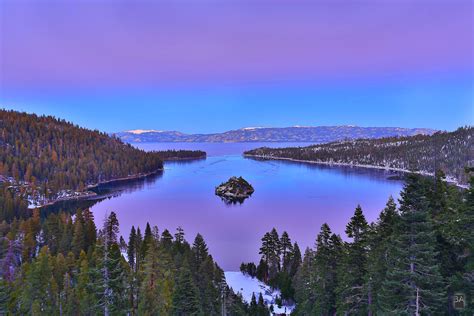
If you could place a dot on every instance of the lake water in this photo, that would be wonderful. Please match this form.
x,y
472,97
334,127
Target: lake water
x,y
290,196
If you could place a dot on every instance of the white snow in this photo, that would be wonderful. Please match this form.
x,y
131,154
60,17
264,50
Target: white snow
x,y
251,128
142,131
246,286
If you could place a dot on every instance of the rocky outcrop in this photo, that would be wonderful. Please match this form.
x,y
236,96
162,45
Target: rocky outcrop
x,y
235,190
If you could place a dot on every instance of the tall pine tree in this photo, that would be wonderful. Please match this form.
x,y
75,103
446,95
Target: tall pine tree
x,y
413,284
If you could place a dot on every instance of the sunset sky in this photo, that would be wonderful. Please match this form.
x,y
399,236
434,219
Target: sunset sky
x,y
209,66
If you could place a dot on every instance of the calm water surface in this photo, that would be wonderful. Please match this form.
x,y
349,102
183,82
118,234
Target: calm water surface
x,y
289,196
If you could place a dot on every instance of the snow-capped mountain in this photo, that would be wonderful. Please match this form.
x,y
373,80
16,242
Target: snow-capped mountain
x,y
314,134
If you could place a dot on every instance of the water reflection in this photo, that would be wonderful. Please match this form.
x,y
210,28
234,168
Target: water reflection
x,y
103,191
114,189
346,171
292,196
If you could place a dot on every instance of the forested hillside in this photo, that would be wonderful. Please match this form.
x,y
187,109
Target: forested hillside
x,y
451,152
411,261
181,154
56,154
64,266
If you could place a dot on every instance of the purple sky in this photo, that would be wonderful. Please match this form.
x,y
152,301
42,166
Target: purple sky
x,y
84,47
145,42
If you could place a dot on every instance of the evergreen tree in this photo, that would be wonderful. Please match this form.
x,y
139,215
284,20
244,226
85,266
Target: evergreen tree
x,y
78,238
111,283
305,284
379,241
325,274
138,250
413,283
296,259
157,284
185,297
200,250
166,239
261,307
90,230
147,240
286,251
351,290
132,240
38,294
179,239
253,305
85,299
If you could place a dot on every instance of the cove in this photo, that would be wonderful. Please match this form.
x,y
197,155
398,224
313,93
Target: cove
x,y
291,196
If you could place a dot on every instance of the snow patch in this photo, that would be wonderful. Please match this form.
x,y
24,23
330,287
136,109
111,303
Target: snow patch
x,y
246,286
142,131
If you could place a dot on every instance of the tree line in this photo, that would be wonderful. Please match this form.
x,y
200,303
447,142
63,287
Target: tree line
x,y
63,265
42,156
55,154
173,154
450,152
412,261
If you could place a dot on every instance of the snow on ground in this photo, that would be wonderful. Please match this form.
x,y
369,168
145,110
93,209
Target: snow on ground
x,y
246,285
142,131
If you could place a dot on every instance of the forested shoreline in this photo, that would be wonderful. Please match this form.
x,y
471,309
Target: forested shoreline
x,y
422,248
450,152
44,160
411,261
181,154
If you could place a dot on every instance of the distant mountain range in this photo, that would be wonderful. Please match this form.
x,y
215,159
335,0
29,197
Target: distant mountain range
x,y
313,134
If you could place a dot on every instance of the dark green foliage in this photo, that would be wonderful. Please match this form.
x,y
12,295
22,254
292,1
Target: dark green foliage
x,y
351,291
102,281
132,248
325,260
249,268
43,150
414,258
278,265
413,281
378,243
448,151
186,296
181,154
199,250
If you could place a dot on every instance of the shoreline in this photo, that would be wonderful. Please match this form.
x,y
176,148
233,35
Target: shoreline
x,y
345,164
185,158
124,179
89,194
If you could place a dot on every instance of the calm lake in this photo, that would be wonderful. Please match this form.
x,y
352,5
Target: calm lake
x,y
289,196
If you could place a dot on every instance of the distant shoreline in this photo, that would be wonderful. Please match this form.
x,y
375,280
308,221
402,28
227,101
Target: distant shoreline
x,y
124,179
344,164
89,194
185,158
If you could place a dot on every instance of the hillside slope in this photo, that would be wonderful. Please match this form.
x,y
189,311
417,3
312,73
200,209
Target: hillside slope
x,y
451,152
317,134
44,155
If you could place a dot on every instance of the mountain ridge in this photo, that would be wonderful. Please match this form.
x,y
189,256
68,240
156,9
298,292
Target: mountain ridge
x,y
314,134
451,152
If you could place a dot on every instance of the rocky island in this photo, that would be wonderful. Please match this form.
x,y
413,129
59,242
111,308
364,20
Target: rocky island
x,y
234,190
